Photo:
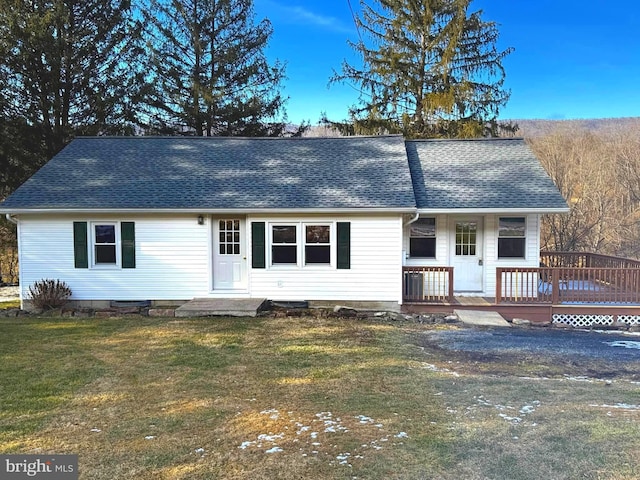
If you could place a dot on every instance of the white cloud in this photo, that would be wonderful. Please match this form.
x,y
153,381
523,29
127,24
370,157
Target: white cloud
x,y
299,14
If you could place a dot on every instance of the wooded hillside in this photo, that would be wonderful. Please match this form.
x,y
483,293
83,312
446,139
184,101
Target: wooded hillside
x,y
596,166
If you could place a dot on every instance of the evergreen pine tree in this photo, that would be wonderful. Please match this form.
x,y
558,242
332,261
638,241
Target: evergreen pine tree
x,y
209,73
431,69
67,67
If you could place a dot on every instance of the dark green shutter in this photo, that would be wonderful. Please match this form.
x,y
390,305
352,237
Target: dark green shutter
x,y
257,245
344,245
128,240
80,244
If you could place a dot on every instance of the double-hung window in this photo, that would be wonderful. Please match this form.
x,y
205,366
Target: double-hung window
x,y
284,246
422,238
301,244
317,245
512,237
105,244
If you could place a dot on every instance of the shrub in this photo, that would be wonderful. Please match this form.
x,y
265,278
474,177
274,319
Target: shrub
x,y
48,294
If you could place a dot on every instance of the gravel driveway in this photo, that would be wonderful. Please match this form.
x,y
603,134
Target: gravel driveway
x,y
594,353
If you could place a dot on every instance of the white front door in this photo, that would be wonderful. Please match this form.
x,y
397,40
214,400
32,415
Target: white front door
x,y
229,255
466,254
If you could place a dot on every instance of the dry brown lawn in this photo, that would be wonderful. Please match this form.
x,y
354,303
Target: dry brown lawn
x,y
294,398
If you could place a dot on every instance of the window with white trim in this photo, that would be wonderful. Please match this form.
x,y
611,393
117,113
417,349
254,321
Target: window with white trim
x,y
422,238
105,244
317,245
512,237
284,246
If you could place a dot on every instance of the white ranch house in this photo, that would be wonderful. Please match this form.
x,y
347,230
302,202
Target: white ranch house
x,y
315,219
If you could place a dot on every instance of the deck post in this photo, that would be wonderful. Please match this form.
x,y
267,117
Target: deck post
x,y
498,285
555,286
450,285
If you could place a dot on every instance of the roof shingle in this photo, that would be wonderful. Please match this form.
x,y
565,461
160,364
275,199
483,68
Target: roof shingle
x,y
221,173
480,174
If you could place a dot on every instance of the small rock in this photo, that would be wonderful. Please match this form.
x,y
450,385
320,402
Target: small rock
x,y
521,321
451,319
620,326
395,317
345,311
541,324
565,326
634,328
604,326
162,312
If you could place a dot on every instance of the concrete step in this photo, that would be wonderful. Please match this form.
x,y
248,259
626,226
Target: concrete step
x,y
221,307
485,318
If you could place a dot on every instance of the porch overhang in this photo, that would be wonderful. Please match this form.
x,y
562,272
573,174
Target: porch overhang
x,y
490,211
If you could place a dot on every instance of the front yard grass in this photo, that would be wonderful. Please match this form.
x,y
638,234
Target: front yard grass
x,y
298,398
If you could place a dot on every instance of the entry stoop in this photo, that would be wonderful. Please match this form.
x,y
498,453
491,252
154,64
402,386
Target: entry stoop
x,y
485,318
221,307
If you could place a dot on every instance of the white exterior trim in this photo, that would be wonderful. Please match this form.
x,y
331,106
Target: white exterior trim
x,y
206,211
487,211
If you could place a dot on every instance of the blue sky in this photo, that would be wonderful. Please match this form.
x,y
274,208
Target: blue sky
x,y
572,59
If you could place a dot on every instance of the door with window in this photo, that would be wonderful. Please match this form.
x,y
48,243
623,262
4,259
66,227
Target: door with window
x,y
229,256
466,254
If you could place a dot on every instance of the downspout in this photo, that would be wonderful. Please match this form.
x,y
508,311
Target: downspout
x,y
414,219
11,219
404,253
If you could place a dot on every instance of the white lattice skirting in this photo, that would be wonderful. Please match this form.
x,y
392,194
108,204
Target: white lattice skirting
x,y
582,320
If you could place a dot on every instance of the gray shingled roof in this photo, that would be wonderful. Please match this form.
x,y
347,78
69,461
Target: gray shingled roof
x,y
221,173
475,174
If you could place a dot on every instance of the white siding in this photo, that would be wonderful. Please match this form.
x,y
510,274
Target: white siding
x,y
442,241
532,247
490,246
376,264
172,259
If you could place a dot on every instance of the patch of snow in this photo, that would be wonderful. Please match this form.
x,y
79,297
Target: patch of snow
x,y
273,450
270,438
510,419
435,368
199,450
580,379
149,437
621,406
402,435
364,419
273,413
624,344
